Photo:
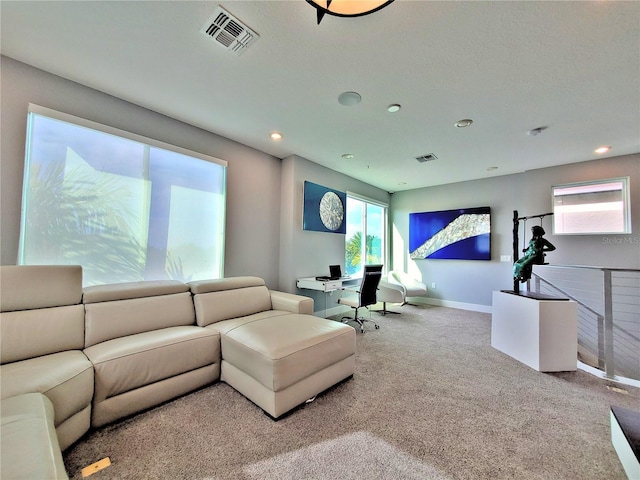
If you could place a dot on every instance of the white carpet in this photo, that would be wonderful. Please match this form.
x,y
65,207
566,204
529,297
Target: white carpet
x,y
356,456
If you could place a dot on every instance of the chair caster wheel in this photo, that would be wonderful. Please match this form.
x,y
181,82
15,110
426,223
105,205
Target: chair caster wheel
x,y
377,327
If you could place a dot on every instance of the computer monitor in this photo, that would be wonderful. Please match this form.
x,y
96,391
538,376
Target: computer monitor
x,y
335,271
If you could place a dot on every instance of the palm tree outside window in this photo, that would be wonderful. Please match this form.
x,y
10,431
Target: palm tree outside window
x,y
366,236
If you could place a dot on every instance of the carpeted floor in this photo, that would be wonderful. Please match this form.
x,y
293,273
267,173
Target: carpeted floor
x,y
431,399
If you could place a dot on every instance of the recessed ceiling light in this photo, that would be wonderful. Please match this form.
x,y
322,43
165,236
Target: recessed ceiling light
x,y
348,156
394,107
276,136
463,123
602,150
348,99
490,169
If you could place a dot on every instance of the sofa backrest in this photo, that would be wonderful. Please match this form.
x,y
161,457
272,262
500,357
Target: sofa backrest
x,y
118,310
40,310
225,298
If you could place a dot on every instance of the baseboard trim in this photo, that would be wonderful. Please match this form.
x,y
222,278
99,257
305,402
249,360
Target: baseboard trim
x,y
474,307
415,300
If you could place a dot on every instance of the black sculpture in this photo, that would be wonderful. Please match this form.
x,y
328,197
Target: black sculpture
x,y
534,255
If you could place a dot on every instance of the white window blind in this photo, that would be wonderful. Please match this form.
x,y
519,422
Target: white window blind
x,y
125,207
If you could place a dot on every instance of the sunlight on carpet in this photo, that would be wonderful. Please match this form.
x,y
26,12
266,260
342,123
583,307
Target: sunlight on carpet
x,y
355,456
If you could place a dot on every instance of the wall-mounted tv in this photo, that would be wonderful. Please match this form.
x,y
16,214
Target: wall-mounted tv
x,y
463,234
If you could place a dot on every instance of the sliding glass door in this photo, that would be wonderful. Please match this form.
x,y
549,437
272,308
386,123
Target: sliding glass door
x,y
365,240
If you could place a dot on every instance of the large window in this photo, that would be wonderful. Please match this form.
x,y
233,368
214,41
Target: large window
x,y
365,240
125,207
592,207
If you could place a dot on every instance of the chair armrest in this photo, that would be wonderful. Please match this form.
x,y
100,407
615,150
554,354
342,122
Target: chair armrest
x,y
291,302
347,289
395,284
391,292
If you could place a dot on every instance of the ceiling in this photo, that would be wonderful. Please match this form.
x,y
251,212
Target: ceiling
x,y
511,66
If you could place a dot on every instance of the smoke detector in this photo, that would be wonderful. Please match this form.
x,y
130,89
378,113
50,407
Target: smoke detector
x,y
229,32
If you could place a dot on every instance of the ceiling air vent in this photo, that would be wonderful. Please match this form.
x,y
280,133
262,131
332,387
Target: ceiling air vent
x,y
426,158
228,31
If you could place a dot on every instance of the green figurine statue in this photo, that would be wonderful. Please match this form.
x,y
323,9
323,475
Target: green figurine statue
x,y
534,255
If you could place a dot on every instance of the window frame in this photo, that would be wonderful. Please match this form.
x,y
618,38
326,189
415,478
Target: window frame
x,y
385,225
626,201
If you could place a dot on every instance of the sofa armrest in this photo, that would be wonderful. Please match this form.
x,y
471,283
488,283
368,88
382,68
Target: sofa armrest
x,y
30,447
290,302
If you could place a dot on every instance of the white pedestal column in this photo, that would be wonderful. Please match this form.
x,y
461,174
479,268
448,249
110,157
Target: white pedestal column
x,y
542,334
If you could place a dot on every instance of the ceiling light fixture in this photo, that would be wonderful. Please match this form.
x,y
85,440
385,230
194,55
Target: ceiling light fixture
x,y
394,107
347,8
276,136
348,156
601,150
349,99
463,123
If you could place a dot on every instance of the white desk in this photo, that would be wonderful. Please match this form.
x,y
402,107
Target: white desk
x,y
327,286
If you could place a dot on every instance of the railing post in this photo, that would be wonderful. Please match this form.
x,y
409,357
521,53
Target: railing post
x,y
609,363
601,345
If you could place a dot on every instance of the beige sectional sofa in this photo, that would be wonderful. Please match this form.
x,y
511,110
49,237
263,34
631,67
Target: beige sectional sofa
x,y
74,359
275,358
41,342
145,347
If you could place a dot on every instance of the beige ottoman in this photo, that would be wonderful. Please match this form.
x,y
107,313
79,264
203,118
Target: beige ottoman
x,y
280,362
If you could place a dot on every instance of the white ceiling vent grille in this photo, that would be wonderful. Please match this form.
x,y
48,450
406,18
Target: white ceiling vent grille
x,y
229,32
429,157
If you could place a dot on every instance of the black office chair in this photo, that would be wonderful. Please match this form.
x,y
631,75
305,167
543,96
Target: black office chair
x,y
367,295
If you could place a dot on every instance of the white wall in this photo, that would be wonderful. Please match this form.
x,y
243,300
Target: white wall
x,y
264,198
472,282
253,177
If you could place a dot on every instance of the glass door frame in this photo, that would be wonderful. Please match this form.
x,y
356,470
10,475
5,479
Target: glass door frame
x,y
384,226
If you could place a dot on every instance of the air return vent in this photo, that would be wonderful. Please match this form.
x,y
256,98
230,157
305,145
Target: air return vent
x,y
426,158
229,32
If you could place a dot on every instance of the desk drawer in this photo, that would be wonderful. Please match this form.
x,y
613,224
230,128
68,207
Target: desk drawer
x,y
329,286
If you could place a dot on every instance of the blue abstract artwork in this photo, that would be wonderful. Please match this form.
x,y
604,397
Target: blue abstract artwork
x,y
463,234
324,209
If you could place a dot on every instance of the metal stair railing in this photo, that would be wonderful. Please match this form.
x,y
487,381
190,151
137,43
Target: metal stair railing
x,y
613,347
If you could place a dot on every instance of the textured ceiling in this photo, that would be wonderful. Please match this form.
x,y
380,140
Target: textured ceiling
x,y
511,66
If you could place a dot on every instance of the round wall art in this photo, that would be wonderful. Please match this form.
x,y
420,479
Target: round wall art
x,y
331,211
324,209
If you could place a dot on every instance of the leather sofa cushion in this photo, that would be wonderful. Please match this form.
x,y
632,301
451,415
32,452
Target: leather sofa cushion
x,y
29,445
32,333
66,378
222,305
220,284
282,350
130,362
114,319
227,325
291,302
26,287
129,290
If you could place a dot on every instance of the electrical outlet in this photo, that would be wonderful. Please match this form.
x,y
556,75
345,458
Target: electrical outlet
x,y
505,258
433,285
